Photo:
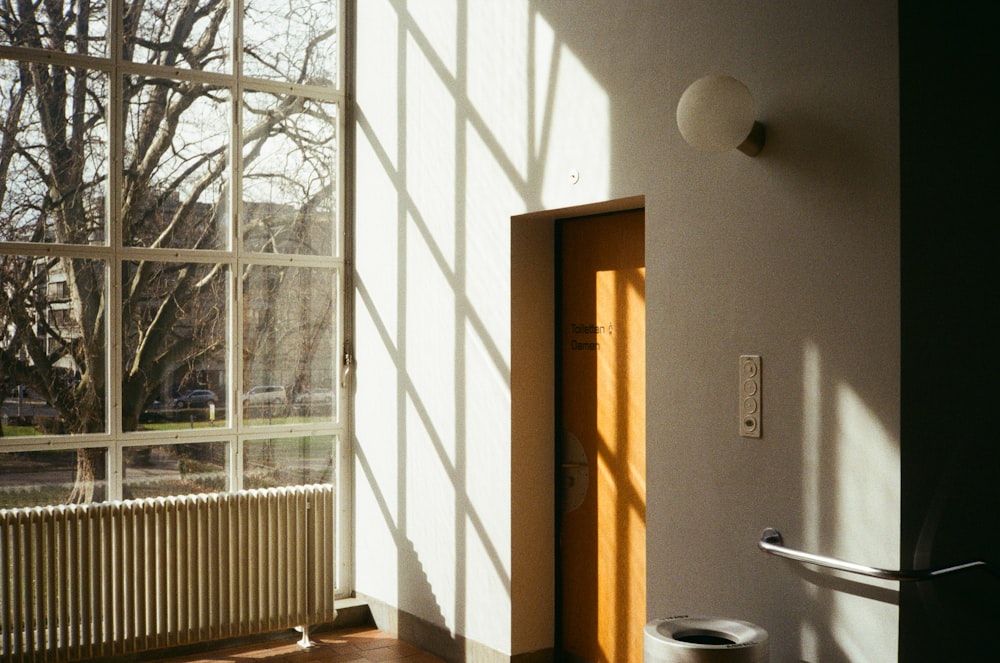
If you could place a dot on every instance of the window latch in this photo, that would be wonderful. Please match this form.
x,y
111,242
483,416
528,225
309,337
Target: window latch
x,y
348,366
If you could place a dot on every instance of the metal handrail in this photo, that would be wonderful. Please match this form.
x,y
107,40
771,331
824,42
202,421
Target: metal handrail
x,y
772,543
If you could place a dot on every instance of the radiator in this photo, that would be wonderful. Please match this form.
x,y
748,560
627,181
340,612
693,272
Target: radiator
x,y
98,580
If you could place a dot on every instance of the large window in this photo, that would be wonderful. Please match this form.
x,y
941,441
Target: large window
x,y
171,254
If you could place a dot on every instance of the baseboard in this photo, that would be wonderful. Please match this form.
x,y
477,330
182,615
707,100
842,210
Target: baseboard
x,y
440,641
350,612
541,656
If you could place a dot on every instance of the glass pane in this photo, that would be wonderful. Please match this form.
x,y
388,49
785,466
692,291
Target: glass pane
x,y
289,168
52,336
193,34
174,321
53,154
174,469
294,461
76,27
175,185
288,343
293,42
43,478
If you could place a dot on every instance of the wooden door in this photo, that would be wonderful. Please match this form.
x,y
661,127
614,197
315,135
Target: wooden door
x,y
601,415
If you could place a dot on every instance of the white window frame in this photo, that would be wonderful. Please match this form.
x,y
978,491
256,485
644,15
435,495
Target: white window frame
x,y
115,254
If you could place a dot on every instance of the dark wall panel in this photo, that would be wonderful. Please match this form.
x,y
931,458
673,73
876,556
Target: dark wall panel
x,y
950,334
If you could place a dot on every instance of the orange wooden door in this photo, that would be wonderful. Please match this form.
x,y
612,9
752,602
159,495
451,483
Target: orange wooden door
x,y
602,399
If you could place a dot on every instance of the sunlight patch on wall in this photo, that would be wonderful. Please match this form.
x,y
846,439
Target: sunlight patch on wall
x,y
572,118
375,244
430,363
868,494
867,504
864,630
850,479
377,73
497,51
487,246
850,508
812,432
809,647
430,567
431,142
487,548
435,25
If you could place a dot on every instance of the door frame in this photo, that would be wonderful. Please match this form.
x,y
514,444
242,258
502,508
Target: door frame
x,y
533,423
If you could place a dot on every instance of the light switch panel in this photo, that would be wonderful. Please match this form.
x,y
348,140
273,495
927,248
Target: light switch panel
x,y
750,396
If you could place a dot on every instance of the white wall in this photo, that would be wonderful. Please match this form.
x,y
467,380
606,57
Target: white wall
x,y
471,113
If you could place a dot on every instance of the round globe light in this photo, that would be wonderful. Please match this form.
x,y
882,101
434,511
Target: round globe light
x,y
716,113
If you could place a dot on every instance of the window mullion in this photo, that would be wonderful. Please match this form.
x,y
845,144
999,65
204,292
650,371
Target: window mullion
x,y
236,386
116,133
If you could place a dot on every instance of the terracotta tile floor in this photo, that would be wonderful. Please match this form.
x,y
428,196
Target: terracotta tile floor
x,y
358,644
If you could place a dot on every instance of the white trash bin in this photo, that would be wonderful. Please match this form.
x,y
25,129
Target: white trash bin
x,y
693,639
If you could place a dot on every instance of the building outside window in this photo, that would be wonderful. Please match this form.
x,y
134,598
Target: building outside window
x,y
171,243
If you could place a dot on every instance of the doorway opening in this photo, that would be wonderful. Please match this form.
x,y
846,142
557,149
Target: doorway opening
x,y
600,442
537,505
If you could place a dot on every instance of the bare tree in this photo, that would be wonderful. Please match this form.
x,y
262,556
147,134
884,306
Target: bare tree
x,y
174,194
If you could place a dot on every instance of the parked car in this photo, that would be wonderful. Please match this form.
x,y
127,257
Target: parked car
x,y
314,396
196,398
265,395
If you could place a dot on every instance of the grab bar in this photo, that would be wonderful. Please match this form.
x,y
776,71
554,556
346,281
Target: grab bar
x,y
772,543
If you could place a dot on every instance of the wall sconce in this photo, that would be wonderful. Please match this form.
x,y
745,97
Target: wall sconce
x,y
716,113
